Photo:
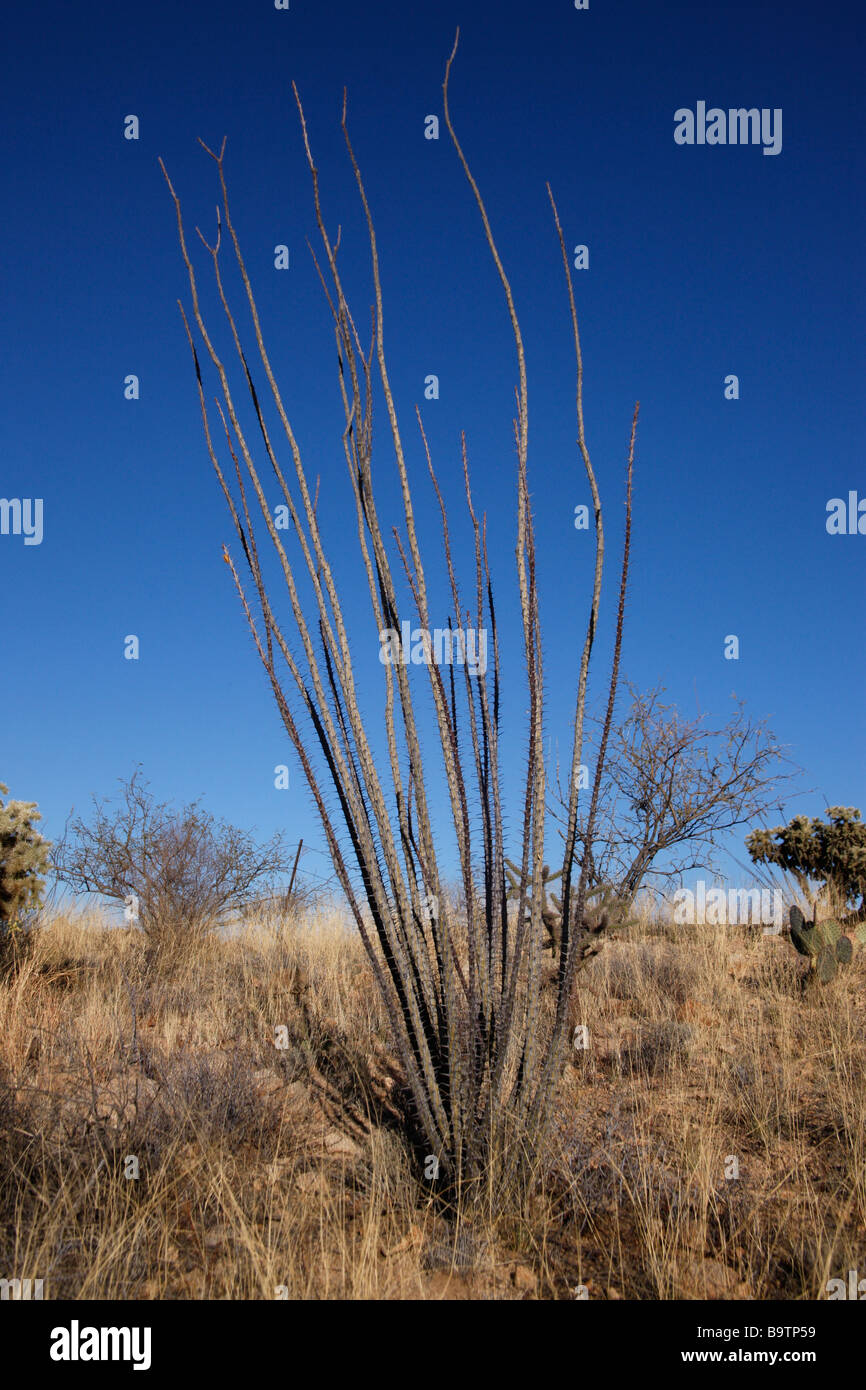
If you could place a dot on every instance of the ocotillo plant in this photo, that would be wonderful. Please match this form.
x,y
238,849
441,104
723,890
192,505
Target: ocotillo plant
x,y
480,1053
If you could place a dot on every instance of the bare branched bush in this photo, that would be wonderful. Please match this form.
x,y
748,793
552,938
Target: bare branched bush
x,y
672,788
480,1041
178,871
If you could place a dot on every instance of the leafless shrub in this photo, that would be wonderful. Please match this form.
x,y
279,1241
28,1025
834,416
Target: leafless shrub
x,y
672,788
178,871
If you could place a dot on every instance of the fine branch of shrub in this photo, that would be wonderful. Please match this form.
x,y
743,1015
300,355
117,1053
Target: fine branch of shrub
x,y
480,1043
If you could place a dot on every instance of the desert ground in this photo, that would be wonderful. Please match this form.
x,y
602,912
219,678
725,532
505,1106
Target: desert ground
x,y
709,1141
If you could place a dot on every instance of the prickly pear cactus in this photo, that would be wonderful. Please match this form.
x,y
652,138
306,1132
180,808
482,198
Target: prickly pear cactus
x,y
823,943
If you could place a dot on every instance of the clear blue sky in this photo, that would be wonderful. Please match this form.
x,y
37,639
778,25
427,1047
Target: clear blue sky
x,y
704,261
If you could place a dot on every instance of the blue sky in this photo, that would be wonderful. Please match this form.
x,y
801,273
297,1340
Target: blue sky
x,y
704,261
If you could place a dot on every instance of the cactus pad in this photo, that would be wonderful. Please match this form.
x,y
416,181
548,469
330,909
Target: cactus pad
x,y
825,964
844,950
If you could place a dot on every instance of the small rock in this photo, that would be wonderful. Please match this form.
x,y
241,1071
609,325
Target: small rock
x,y
712,1279
521,1278
266,1082
216,1237
339,1145
413,1241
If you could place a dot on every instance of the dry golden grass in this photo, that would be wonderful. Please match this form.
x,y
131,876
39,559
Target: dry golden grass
x,y
266,1169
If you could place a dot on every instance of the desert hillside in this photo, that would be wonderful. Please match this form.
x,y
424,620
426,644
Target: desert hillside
x,y
251,1088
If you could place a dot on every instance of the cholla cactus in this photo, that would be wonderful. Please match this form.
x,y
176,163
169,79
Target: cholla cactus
x,y
595,920
824,943
831,851
23,861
